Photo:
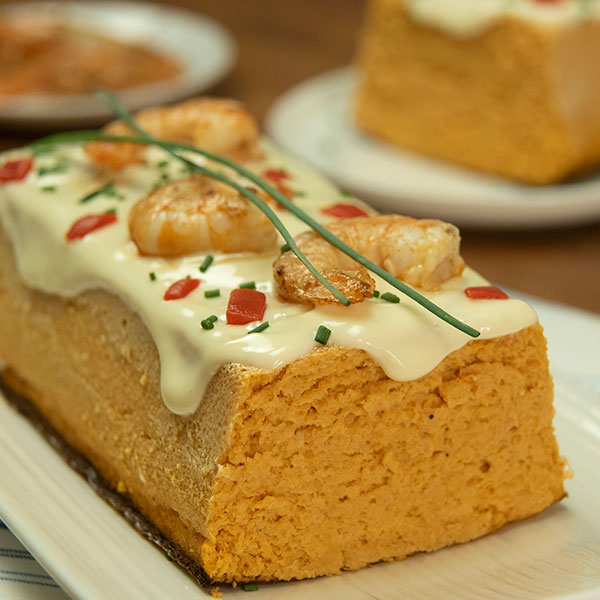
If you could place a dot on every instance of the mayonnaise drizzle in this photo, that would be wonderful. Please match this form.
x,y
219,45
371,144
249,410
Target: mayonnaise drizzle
x,y
406,340
466,18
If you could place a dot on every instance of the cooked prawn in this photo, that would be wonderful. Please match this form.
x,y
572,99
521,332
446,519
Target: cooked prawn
x,y
220,126
423,253
198,214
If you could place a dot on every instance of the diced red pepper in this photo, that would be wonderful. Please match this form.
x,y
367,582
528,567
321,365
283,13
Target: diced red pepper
x,y
344,211
15,170
275,175
485,292
181,288
89,223
245,305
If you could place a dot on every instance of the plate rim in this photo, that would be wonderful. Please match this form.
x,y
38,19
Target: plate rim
x,y
85,108
546,206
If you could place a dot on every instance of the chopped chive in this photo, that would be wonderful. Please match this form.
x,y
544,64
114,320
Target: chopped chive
x,y
41,150
375,293
285,248
299,194
111,211
106,189
389,297
344,193
152,276
59,167
248,285
250,587
212,318
212,293
206,263
162,164
322,335
48,188
260,327
207,324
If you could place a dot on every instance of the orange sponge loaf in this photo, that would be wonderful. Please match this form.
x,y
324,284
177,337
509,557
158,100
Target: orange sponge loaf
x,y
261,448
508,89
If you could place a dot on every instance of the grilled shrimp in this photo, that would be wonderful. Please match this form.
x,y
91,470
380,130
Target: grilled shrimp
x,y
423,253
220,126
197,214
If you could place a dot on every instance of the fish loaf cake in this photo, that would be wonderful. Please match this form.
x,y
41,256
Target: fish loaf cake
x,y
507,88
270,456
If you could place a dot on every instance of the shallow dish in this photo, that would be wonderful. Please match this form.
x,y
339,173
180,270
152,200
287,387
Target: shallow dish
x,y
203,48
313,121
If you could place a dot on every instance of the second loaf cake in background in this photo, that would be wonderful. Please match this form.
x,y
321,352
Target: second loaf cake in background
x,y
507,88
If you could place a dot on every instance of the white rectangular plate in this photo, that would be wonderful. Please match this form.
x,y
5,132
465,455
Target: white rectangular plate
x,y
92,552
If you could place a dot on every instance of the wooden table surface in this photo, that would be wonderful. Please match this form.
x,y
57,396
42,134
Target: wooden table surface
x,y
281,43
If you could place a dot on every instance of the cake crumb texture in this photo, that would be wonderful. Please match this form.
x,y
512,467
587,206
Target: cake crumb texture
x,y
518,99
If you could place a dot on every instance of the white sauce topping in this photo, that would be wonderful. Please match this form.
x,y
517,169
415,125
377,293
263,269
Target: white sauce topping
x,y
465,18
405,339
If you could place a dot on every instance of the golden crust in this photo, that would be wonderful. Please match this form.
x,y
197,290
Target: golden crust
x,y
319,466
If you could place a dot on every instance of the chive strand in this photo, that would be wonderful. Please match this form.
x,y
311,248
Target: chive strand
x,y
126,116
170,147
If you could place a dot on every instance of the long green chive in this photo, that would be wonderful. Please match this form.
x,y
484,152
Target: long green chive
x,y
207,324
248,285
107,188
212,293
113,102
170,147
260,328
389,297
206,263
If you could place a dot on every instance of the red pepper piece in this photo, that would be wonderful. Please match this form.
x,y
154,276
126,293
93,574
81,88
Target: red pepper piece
x,y
181,288
485,292
89,223
344,211
275,175
15,170
245,305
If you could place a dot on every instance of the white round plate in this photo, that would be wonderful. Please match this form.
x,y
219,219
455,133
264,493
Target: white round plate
x,y
203,48
313,120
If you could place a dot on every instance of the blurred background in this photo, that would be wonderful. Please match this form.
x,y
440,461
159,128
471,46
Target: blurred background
x,y
265,48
